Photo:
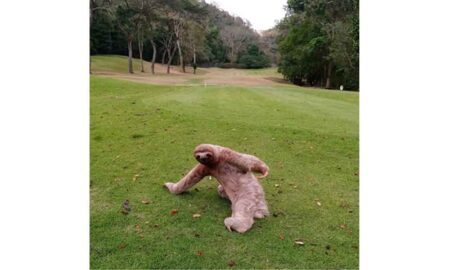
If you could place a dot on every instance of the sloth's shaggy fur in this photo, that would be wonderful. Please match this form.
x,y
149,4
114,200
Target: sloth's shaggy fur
x,y
234,171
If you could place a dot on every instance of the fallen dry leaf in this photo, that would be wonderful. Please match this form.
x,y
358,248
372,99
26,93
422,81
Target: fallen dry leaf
x,y
276,185
174,212
199,253
343,226
344,204
196,215
231,263
138,228
135,177
122,246
281,237
145,201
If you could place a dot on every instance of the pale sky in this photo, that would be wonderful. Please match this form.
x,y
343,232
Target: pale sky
x,y
262,14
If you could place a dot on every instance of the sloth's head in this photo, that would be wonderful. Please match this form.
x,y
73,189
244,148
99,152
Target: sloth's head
x,y
206,154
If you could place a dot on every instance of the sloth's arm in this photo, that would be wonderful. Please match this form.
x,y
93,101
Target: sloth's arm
x,y
246,162
190,179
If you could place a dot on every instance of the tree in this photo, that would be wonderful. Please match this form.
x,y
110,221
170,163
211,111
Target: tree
x,y
127,19
215,50
269,45
147,22
254,58
234,38
318,43
167,40
302,52
152,27
183,30
227,36
99,24
195,41
141,29
181,14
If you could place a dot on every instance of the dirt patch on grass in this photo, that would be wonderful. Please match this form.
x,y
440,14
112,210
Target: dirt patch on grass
x,y
204,76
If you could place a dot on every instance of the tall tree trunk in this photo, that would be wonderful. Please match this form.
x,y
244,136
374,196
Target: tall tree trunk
x,y
168,65
130,56
328,83
163,60
170,59
195,56
90,27
141,49
154,56
323,76
232,55
180,55
195,60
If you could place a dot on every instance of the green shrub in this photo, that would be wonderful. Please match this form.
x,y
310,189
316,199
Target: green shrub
x,y
254,58
231,65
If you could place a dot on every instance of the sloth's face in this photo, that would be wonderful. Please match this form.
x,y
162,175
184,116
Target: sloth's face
x,y
205,155
205,158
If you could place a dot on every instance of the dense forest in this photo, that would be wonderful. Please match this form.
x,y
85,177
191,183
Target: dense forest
x,y
316,43
182,32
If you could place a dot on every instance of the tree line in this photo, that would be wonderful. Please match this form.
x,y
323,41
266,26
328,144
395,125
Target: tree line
x,y
183,32
318,42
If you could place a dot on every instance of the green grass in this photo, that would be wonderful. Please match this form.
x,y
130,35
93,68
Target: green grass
x,y
117,63
308,137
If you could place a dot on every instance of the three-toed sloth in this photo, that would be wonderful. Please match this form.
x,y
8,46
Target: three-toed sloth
x,y
234,171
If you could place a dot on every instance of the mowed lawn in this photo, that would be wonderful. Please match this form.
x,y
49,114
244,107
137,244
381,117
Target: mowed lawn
x,y
143,135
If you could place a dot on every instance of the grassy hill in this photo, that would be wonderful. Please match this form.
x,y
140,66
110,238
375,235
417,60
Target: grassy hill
x,y
143,135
